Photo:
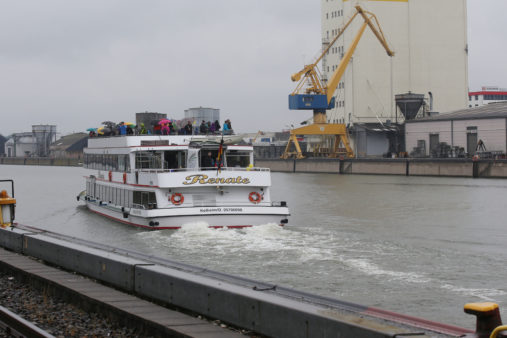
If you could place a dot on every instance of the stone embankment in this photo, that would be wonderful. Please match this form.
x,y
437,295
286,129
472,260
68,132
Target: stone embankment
x,y
405,167
46,161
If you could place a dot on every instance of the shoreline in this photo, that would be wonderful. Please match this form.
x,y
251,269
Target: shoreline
x,y
485,168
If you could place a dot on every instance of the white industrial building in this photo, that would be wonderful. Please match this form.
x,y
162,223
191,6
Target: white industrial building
x,y
21,145
466,132
28,144
429,38
487,95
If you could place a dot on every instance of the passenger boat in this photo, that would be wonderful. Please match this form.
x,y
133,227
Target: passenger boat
x,y
164,182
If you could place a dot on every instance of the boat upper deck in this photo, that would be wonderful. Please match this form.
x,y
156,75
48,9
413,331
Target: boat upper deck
x,y
96,144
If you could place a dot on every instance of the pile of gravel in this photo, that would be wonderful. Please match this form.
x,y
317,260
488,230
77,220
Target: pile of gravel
x,y
53,315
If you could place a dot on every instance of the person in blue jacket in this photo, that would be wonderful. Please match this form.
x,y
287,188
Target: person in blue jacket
x,y
227,128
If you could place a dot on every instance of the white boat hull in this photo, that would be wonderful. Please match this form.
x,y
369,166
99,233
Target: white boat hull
x,y
215,217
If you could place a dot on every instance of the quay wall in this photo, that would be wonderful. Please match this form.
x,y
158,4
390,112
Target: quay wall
x,y
405,167
251,306
62,161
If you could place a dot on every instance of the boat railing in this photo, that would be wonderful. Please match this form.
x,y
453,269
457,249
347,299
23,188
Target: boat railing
x,y
160,171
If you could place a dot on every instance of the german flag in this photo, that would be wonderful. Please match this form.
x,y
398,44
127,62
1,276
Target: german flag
x,y
220,154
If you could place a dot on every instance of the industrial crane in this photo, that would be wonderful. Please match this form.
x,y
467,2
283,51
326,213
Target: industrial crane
x,y
318,96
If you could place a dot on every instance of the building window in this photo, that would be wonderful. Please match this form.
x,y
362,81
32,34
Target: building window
x,y
476,97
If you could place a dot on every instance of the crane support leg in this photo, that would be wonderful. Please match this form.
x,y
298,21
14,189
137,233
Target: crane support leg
x,y
287,153
330,129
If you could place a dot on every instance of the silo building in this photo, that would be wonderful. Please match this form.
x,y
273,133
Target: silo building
x,y
201,113
429,38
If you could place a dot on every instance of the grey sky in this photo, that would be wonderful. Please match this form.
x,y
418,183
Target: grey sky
x,y
78,63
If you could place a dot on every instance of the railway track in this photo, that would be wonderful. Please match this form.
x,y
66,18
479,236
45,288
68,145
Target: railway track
x,y
17,326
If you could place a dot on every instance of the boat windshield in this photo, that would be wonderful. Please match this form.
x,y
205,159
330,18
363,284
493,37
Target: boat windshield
x,y
191,159
169,159
237,158
175,159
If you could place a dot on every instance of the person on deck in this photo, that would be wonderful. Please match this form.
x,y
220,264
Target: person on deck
x,y
142,131
122,128
188,128
227,128
165,129
203,129
171,128
208,161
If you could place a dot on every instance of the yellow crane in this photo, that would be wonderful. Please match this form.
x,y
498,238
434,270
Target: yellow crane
x,y
319,97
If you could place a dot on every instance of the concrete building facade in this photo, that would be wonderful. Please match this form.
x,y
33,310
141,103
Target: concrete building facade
x,y
463,132
429,38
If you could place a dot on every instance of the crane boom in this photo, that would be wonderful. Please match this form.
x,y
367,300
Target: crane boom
x,y
319,97
309,74
337,75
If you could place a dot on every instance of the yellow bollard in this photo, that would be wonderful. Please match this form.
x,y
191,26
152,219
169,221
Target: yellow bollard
x,y
488,318
7,205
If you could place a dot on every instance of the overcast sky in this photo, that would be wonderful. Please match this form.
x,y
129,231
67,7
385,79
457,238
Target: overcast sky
x,y
78,63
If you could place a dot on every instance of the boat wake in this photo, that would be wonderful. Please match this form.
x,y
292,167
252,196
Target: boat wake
x,y
282,249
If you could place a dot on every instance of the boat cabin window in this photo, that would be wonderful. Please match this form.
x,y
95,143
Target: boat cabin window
x,y
124,163
237,158
113,195
208,158
148,160
144,200
110,162
175,159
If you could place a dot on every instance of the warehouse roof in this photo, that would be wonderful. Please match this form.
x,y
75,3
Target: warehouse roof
x,y
489,111
68,141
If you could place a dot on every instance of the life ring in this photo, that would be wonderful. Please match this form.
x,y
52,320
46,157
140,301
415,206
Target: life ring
x,y
110,176
254,197
124,178
177,198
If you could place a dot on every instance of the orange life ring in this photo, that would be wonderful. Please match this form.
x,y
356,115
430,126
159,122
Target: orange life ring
x,y
110,176
124,178
177,198
254,197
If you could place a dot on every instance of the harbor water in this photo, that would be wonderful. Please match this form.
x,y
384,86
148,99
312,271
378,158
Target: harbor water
x,y
421,246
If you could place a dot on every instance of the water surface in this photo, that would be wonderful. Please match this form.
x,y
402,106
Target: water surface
x,y
421,246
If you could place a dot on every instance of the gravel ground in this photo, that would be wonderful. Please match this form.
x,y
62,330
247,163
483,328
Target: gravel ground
x,y
53,315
